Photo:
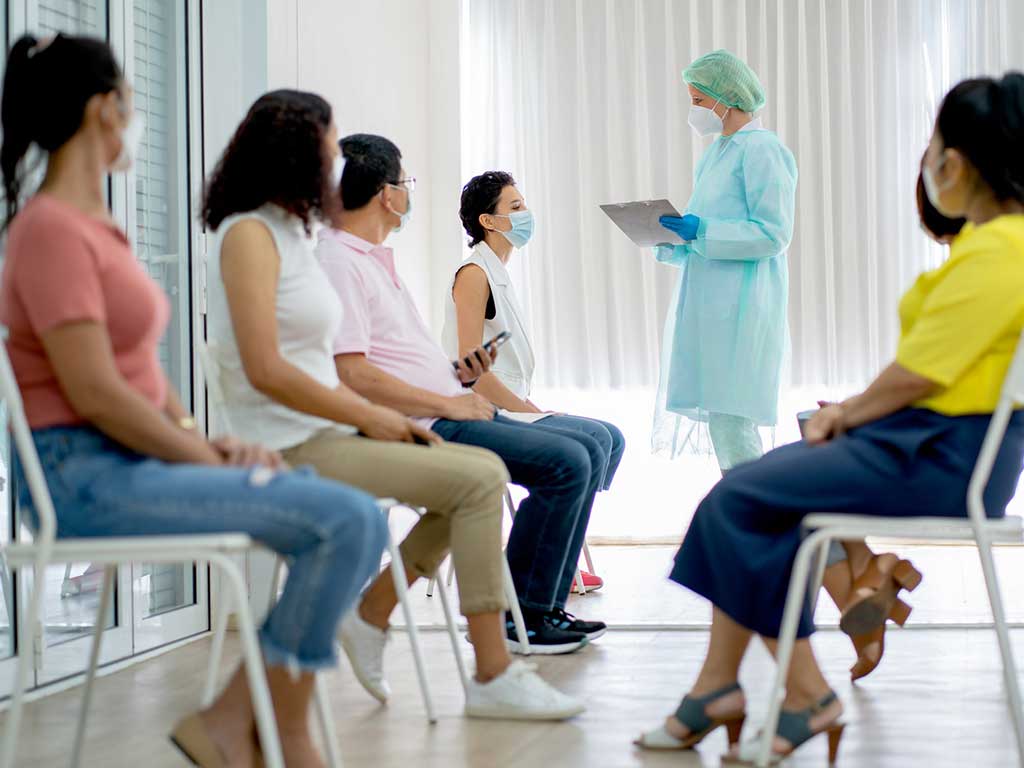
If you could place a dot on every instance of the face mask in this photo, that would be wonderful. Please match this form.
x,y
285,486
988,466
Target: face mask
x,y
337,169
933,191
704,121
403,217
131,137
522,227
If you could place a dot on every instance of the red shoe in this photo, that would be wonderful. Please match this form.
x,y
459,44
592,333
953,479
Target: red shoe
x,y
591,583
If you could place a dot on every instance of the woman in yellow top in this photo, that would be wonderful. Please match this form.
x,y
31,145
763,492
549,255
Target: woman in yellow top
x,y
906,446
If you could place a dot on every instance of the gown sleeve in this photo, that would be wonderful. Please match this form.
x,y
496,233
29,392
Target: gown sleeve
x,y
769,177
671,254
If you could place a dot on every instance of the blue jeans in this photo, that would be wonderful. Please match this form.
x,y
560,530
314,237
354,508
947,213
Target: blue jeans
x,y
331,534
562,468
613,444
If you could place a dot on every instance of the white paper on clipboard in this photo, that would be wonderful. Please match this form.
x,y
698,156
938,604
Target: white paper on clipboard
x,y
639,221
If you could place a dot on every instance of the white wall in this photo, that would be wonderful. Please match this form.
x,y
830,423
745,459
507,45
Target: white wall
x,y
388,67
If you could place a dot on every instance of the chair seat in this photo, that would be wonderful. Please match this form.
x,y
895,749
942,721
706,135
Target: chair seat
x,y
169,549
1006,529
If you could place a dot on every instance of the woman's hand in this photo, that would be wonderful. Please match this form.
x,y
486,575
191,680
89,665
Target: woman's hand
x,y
826,424
235,453
389,425
475,364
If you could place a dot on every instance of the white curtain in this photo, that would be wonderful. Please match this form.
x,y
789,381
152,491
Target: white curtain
x,y
583,102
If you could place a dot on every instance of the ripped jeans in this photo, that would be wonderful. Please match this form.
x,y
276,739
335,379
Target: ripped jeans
x,y
331,535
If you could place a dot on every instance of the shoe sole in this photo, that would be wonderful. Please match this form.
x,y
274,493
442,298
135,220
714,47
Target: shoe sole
x,y
536,649
592,636
357,670
512,713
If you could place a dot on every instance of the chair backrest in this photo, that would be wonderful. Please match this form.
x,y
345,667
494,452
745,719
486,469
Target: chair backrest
x,y
1011,395
213,373
25,449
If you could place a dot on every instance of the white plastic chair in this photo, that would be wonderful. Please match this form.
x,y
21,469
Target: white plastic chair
x,y
217,401
215,549
975,528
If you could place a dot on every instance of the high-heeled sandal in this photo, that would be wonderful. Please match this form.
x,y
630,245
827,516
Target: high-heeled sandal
x,y
871,647
195,743
692,714
794,727
875,595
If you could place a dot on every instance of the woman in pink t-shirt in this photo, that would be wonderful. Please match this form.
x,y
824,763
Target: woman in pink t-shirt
x,y
120,453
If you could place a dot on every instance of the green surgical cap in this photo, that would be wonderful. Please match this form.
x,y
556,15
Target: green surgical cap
x,y
727,79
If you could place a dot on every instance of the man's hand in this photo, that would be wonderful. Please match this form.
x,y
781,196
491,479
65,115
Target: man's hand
x,y
470,407
236,453
475,364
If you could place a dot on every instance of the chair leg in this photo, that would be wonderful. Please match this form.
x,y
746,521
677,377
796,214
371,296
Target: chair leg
x,y
451,572
819,573
580,588
430,586
514,607
1006,650
586,557
8,592
402,590
263,707
26,659
220,629
326,720
453,634
94,660
787,639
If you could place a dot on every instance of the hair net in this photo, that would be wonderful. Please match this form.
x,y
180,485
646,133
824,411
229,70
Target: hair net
x,y
728,79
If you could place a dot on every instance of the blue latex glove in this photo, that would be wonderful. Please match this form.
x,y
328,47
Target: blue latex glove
x,y
684,226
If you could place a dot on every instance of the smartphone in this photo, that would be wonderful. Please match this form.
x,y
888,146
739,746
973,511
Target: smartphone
x,y
496,342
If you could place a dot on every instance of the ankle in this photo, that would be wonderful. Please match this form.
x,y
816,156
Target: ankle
x,y
804,695
375,616
709,681
485,672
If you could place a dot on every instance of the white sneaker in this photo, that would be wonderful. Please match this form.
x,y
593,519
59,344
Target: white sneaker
x,y
519,693
364,645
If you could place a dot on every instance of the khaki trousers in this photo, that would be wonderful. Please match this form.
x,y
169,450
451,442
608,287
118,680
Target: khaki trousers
x,y
461,488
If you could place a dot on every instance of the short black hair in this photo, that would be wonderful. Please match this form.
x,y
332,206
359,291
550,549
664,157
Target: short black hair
x,y
984,119
480,196
370,163
276,156
939,226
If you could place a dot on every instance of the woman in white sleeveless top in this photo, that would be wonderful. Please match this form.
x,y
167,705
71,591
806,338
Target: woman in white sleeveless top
x,y
482,303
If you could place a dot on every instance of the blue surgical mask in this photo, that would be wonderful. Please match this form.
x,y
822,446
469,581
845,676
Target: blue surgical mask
x,y
522,227
403,217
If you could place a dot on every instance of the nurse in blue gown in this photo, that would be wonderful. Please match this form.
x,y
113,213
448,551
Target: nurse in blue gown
x,y
726,333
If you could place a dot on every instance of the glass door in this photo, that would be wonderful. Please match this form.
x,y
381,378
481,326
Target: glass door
x,y
170,601
153,604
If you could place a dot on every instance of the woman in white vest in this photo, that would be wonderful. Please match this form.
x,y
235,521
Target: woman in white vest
x,y
482,302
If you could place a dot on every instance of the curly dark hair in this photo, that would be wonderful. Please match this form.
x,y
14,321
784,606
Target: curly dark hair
x,y
276,156
480,196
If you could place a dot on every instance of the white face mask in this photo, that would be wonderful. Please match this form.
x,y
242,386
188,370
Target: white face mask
x,y
131,137
933,190
704,121
337,169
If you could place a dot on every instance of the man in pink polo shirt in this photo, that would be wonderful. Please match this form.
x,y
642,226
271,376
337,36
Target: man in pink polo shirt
x,y
385,351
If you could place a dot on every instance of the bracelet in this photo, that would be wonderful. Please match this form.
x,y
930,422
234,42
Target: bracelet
x,y
187,423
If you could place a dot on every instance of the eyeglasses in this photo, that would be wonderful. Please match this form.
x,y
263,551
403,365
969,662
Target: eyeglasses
x,y
409,184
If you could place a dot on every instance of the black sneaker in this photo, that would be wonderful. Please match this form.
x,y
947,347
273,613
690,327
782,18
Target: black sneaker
x,y
545,638
569,623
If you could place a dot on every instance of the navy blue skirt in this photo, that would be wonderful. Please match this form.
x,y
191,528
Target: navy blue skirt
x,y
740,547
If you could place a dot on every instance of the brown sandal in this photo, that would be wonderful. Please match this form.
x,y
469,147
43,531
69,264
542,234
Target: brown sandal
x,y
875,595
194,742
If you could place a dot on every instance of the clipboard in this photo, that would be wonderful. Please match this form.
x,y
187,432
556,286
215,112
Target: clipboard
x,y
639,221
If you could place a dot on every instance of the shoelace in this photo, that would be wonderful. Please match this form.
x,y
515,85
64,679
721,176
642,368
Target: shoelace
x,y
561,618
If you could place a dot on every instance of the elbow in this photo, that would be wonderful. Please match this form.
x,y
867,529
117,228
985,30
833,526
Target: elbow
x,y
350,373
96,401
264,376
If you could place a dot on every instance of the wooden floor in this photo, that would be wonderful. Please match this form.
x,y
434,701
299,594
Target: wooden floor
x,y
936,701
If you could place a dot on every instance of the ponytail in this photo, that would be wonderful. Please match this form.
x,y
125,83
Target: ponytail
x,y
46,88
984,119
17,113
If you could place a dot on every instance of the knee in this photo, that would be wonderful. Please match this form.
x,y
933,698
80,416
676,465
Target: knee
x,y
577,460
617,438
362,521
